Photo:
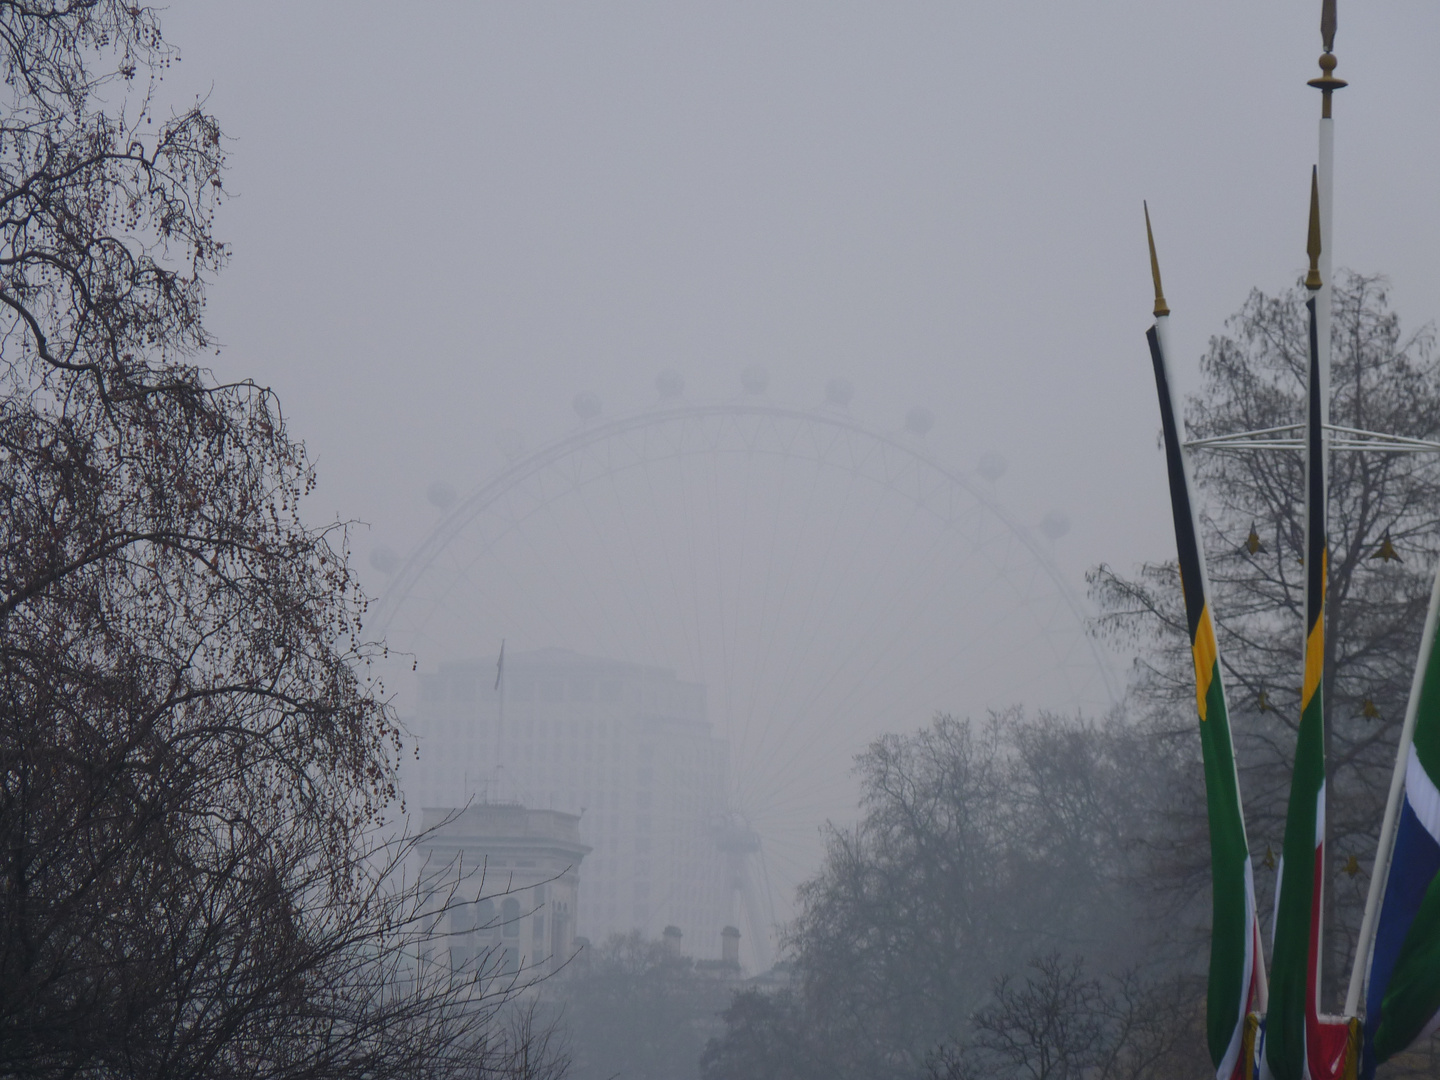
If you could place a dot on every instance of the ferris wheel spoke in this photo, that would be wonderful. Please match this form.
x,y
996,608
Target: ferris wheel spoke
x,y
810,719
541,608
632,545
627,596
790,664
840,663
768,627
732,631
814,612
851,569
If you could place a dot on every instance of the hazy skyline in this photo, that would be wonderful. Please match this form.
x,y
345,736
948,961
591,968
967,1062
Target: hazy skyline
x,y
449,224
720,408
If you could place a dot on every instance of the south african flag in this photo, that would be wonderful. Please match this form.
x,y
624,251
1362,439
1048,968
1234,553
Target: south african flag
x,y
1236,973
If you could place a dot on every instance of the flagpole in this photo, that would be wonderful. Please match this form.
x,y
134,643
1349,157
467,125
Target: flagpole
x,y
1317,245
1327,84
500,721
1381,870
1326,177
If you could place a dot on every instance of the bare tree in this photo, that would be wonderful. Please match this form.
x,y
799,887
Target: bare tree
x,y
1059,1023
769,1036
630,1007
980,845
194,768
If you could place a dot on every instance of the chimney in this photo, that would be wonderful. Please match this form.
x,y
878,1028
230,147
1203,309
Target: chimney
x,y
672,941
730,946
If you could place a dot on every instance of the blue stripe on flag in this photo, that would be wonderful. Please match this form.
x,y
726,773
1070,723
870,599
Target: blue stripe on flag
x,y
1414,864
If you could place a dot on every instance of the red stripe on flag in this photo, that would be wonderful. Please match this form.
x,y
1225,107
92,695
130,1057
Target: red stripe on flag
x,y
1325,1040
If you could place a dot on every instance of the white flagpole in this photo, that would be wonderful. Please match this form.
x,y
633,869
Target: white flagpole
x,y
1327,84
1381,870
1327,246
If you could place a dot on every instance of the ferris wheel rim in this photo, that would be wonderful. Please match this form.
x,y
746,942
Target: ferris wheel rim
x,y
529,464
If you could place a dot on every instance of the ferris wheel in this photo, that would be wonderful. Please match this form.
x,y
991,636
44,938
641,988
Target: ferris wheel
x,y
825,581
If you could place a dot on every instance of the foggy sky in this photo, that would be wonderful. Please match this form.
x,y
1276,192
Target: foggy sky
x,y
449,219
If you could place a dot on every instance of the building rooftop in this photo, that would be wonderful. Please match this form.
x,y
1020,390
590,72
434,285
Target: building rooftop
x,y
502,821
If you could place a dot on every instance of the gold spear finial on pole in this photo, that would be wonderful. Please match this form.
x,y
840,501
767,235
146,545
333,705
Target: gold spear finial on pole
x,y
1161,308
1327,83
1312,242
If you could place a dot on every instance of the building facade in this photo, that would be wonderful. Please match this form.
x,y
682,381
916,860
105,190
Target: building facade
x,y
626,748
518,873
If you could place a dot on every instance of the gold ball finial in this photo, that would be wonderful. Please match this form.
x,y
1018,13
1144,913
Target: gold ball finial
x,y
1327,83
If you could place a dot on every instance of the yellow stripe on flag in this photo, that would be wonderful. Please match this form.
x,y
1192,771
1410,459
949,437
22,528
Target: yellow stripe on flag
x,y
1204,651
1315,644
1314,663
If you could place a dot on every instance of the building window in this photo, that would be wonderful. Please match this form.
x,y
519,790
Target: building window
x,y
510,917
461,957
485,916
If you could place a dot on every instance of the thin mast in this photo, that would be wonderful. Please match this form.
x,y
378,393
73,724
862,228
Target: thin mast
x,y
1327,84
1299,1040
499,770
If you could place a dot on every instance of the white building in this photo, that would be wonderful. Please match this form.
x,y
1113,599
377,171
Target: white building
x,y
519,881
626,747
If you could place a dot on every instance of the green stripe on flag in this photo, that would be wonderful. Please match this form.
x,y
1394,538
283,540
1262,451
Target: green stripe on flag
x,y
1290,962
1231,912
1413,997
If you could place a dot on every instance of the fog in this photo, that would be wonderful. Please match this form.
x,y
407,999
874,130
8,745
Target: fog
x,y
465,233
